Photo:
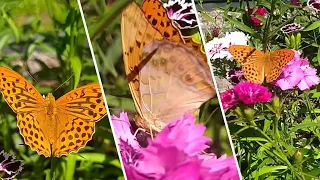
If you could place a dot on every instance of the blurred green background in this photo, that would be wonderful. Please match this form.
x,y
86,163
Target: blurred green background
x,y
45,39
103,21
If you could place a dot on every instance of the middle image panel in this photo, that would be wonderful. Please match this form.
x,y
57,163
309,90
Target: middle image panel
x,y
159,88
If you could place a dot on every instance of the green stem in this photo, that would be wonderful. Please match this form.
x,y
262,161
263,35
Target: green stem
x,y
267,29
108,17
53,167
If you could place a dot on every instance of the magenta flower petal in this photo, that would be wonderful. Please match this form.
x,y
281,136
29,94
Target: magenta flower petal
x,y
184,134
229,99
122,128
251,93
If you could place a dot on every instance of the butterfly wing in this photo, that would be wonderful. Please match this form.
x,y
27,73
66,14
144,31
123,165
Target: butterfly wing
x,y
77,112
157,16
27,103
175,80
278,59
251,60
136,33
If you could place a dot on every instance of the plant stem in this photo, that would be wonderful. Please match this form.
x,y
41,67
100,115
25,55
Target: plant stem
x,y
267,29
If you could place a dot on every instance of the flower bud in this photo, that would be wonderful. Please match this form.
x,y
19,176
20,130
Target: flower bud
x,y
275,102
239,112
249,114
298,157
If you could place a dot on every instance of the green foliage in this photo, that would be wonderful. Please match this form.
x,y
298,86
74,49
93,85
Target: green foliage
x,y
47,39
279,139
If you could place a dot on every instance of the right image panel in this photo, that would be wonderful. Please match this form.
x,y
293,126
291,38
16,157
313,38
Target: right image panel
x,y
265,56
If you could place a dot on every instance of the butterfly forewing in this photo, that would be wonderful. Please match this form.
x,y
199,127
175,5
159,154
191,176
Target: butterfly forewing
x,y
278,59
20,95
157,16
136,32
174,81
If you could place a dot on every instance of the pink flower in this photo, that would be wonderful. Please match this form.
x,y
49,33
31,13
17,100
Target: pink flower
x,y
297,73
173,154
251,93
229,99
178,133
261,11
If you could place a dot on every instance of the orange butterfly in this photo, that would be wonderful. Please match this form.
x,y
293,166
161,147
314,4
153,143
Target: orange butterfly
x,y
167,77
48,126
257,65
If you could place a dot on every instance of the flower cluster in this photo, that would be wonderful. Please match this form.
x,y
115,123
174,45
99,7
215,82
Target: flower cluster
x,y
261,11
297,73
218,47
182,13
9,165
247,92
175,153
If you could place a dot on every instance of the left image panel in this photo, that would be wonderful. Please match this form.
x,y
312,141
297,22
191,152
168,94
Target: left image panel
x,y
53,117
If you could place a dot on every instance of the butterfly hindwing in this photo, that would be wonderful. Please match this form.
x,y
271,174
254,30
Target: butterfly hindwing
x,y
174,81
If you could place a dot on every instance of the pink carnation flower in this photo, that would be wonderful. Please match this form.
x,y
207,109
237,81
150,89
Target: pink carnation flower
x,y
229,99
174,153
297,73
251,93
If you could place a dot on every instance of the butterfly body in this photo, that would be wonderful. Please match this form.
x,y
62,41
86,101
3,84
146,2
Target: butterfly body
x,y
258,65
167,77
52,127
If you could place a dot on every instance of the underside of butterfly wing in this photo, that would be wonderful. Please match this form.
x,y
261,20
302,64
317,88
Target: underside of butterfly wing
x,y
136,32
278,59
174,80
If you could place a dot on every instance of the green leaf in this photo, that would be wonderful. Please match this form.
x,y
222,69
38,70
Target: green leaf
x,y
242,26
76,68
313,26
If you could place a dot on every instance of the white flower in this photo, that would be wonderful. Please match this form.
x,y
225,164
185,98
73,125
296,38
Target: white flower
x,y
218,47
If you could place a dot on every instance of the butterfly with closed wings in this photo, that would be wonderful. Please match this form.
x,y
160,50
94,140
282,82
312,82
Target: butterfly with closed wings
x,y
167,74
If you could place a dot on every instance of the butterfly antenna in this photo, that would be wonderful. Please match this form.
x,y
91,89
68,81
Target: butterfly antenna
x,y
32,77
63,83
